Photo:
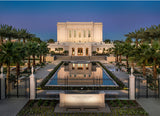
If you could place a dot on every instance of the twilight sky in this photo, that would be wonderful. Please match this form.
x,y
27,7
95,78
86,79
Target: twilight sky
x,y
118,18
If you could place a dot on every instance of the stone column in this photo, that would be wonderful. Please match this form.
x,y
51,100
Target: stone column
x,y
2,87
62,99
76,51
102,100
132,86
32,85
84,51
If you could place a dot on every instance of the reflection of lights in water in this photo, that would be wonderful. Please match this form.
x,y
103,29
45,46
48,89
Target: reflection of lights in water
x,y
49,70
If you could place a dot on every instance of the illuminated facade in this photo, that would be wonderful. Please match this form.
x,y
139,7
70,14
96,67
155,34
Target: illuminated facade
x,y
79,38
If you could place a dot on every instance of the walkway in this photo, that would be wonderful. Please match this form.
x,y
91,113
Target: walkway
x,y
43,72
11,106
151,105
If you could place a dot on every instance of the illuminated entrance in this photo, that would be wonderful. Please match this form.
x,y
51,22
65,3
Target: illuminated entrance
x,y
80,51
73,51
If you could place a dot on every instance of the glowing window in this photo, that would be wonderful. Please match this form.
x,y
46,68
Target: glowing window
x,y
84,32
89,33
74,33
97,49
79,34
70,33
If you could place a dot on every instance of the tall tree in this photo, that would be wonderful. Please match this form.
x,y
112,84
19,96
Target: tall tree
x,y
107,41
28,51
51,41
34,51
6,57
126,51
142,56
3,29
19,55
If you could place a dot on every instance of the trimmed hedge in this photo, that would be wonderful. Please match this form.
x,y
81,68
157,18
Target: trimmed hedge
x,y
45,80
119,82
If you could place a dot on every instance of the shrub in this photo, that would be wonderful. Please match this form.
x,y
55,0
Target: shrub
x,y
40,102
46,103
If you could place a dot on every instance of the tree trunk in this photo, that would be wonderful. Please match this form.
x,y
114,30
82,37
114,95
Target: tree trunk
x,y
7,80
24,40
136,42
10,39
29,62
19,40
17,69
40,59
144,70
151,41
132,64
1,40
44,58
33,60
117,58
127,61
120,59
154,69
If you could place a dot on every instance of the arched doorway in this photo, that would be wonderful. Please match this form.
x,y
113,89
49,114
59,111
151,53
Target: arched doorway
x,y
86,51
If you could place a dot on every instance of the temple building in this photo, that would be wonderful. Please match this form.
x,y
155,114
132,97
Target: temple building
x,y
79,38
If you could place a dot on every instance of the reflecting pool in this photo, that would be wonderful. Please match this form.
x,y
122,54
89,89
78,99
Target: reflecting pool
x,y
81,74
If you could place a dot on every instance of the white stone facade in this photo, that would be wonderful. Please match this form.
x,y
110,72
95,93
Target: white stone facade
x,y
79,38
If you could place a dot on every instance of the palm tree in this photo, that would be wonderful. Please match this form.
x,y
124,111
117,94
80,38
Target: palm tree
x,y
142,56
2,32
19,55
40,51
128,40
151,33
51,41
24,34
45,50
116,50
107,41
136,35
28,51
154,53
9,32
6,57
127,48
34,51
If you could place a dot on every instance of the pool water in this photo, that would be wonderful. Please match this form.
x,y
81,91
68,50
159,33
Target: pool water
x,y
81,73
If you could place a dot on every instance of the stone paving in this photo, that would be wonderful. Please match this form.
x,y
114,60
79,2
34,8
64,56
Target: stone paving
x,y
11,106
43,72
151,105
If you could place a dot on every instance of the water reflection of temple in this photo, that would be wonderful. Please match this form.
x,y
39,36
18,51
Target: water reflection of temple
x,y
80,74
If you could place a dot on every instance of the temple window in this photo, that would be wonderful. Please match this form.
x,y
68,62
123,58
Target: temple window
x,y
97,49
79,34
74,33
84,32
103,49
89,33
69,33
73,51
86,51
